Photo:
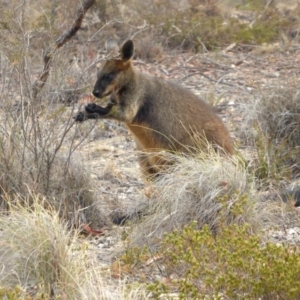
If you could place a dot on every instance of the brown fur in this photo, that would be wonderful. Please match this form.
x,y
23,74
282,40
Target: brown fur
x,y
161,115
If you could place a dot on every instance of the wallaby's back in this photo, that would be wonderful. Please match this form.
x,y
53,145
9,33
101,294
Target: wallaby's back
x,y
174,116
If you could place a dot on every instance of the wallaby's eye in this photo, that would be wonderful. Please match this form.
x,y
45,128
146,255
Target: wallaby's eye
x,y
109,77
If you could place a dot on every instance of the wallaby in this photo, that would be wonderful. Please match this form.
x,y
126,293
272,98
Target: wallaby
x,y
160,114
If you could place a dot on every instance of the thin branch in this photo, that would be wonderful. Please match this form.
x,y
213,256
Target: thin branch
x,y
40,82
64,38
76,25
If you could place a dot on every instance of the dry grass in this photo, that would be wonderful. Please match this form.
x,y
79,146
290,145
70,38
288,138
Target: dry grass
x,y
271,128
208,188
276,112
108,289
37,250
50,170
40,254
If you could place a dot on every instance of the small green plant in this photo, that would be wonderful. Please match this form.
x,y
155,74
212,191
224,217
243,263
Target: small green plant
x,y
134,256
234,264
130,262
17,293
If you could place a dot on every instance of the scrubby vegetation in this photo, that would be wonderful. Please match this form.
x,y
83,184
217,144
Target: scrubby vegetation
x,y
206,25
42,259
272,120
204,233
232,265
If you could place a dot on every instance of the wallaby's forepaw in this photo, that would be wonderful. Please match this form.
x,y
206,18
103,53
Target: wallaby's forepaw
x,y
94,109
84,115
89,113
91,108
80,117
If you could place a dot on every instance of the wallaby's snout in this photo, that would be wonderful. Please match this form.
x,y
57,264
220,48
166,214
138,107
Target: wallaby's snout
x,y
104,85
96,93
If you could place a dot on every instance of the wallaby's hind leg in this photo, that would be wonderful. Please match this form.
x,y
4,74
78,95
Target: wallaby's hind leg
x,y
147,169
153,164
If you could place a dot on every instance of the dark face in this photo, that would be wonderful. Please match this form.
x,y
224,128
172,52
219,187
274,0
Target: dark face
x,y
112,75
107,81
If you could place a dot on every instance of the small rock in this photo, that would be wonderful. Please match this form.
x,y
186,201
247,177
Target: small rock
x,y
122,196
106,245
291,231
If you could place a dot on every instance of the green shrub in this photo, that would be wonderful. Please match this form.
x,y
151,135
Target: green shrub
x,y
17,293
134,256
234,264
13,294
252,5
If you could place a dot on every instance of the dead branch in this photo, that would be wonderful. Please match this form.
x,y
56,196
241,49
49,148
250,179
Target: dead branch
x,y
76,25
64,38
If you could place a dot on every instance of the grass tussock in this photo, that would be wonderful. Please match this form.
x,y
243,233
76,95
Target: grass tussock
x,y
42,259
271,127
207,234
277,112
207,188
39,251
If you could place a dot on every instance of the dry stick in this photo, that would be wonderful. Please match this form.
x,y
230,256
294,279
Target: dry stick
x,y
65,37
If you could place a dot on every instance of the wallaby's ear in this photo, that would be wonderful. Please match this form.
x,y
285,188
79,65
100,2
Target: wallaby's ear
x,y
127,51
